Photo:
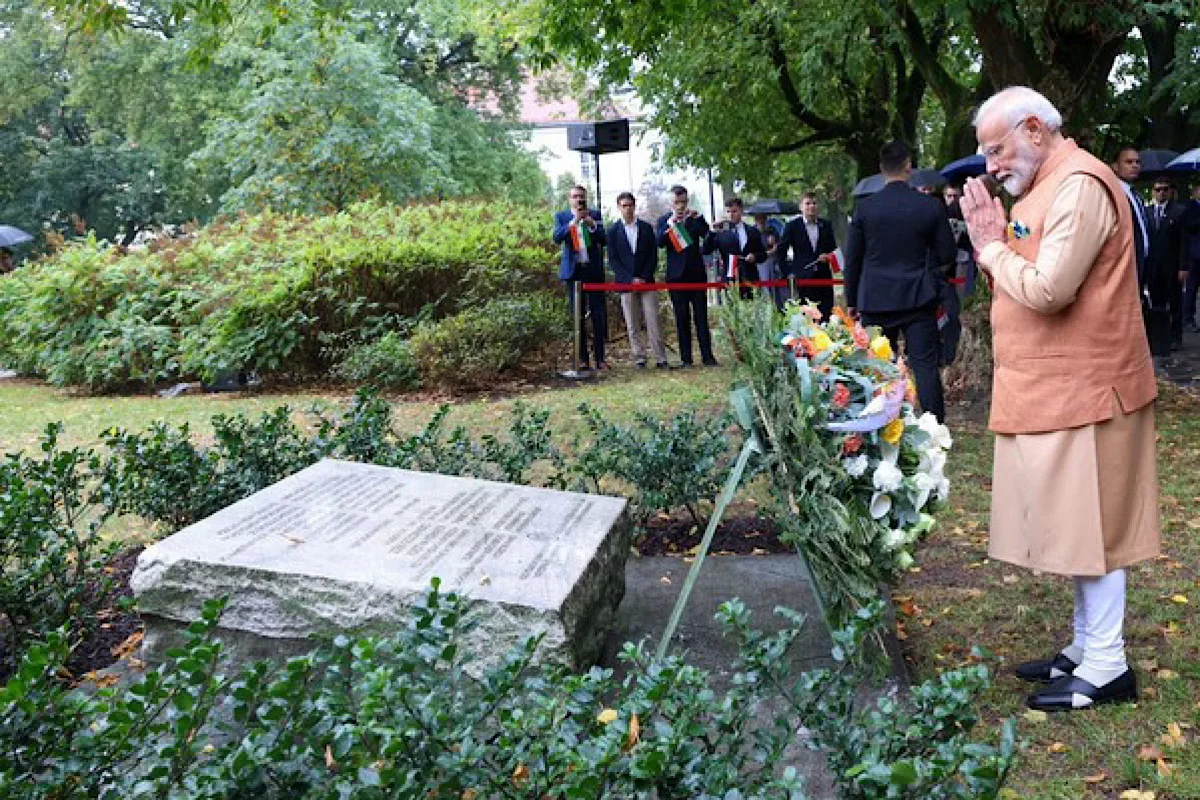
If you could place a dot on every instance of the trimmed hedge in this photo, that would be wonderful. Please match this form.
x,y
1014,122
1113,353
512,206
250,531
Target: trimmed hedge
x,y
264,293
476,345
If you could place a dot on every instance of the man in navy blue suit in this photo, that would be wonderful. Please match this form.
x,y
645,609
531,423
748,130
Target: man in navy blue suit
x,y
810,240
682,233
581,233
894,236
740,245
633,256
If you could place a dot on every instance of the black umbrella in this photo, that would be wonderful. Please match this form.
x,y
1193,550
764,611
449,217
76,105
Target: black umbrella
x,y
919,177
10,236
773,207
869,186
926,177
969,167
1156,160
1188,162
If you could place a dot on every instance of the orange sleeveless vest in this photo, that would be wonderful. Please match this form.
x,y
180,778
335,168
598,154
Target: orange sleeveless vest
x,y
1058,371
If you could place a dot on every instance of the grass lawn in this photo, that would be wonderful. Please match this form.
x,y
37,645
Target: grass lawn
x,y
957,598
954,599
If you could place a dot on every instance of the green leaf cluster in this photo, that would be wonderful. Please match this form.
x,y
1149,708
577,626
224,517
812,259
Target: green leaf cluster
x,y
412,715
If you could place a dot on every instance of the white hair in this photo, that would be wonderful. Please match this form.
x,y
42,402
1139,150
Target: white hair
x,y
1017,103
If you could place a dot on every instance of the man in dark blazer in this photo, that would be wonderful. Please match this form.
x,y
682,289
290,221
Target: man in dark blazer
x,y
633,256
581,233
682,233
1168,260
810,240
1193,247
740,245
888,279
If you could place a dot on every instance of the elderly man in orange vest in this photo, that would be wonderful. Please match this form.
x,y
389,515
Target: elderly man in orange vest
x,y
1074,490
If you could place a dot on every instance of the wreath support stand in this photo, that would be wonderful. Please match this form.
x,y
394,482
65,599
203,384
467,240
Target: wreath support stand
x,y
751,447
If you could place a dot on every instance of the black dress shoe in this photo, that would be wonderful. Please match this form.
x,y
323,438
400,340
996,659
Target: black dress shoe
x,y
711,362
1042,671
1060,695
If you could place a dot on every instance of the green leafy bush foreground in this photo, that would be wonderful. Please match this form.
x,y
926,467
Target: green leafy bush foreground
x,y
279,294
402,717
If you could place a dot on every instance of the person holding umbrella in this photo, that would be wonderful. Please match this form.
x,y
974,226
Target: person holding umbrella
x,y
9,238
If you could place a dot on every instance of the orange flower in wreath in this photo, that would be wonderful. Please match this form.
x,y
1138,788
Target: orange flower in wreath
x,y
841,396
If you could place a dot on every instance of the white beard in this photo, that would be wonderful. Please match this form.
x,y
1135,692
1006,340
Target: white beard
x,y
1021,175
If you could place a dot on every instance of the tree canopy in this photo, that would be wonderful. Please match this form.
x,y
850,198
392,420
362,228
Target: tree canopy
x,y
118,118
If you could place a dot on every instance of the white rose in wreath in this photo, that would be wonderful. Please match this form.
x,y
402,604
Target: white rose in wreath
x,y
887,477
856,467
939,434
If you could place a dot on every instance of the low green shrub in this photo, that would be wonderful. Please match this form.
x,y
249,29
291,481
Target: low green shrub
x,y
163,474
385,363
477,345
263,292
665,464
51,559
403,717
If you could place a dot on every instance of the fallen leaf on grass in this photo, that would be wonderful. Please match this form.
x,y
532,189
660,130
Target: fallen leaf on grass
x,y
520,776
1137,794
1099,777
1149,752
127,647
1010,579
1167,675
1147,665
974,594
1174,736
1035,716
1164,768
1057,747
1179,598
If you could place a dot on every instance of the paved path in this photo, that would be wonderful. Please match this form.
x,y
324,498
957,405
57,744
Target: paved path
x,y
1182,367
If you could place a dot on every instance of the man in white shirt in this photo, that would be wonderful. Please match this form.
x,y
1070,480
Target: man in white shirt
x,y
633,257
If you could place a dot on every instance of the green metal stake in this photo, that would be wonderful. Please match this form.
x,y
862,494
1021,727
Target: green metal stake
x,y
723,501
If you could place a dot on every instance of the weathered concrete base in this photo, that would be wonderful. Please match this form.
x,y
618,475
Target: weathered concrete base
x,y
763,583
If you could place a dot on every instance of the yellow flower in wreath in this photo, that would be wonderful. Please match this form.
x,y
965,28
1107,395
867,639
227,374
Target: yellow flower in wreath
x,y
881,347
893,431
821,341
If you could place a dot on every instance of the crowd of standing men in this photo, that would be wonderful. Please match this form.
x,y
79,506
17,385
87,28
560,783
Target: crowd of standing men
x,y
899,253
1167,249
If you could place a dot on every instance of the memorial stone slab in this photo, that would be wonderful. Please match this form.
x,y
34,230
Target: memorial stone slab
x,y
342,547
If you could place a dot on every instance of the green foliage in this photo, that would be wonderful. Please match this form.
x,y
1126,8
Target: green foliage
x,y
476,345
51,559
164,475
322,125
404,716
916,747
385,363
268,292
667,464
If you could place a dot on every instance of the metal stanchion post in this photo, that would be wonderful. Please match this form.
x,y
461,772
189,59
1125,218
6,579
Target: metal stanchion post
x,y
791,287
575,373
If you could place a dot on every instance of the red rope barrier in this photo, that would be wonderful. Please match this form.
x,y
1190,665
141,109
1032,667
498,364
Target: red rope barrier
x,y
696,287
